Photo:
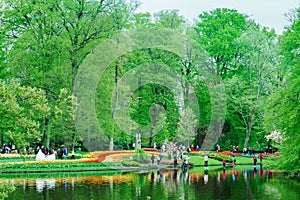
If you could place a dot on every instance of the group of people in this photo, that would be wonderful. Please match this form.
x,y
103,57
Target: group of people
x,y
255,158
159,158
8,148
248,150
61,153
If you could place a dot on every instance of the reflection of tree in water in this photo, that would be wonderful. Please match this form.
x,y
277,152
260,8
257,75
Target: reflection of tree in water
x,y
164,184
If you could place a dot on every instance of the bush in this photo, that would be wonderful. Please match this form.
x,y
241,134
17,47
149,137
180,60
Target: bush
x,y
229,153
130,163
5,189
140,156
220,157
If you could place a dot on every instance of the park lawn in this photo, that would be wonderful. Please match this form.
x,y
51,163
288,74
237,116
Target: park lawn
x,y
240,160
199,160
249,160
220,168
57,167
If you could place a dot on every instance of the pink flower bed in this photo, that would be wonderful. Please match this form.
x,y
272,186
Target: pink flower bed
x,y
229,153
271,155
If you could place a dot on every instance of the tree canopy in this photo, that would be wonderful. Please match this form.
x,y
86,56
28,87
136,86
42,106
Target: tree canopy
x,y
44,43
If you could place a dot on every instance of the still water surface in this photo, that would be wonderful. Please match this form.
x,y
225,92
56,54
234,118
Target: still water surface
x,y
168,184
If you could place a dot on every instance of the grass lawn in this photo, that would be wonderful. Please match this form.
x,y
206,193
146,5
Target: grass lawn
x,y
240,160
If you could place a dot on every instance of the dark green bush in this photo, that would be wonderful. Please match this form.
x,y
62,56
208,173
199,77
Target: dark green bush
x,y
220,157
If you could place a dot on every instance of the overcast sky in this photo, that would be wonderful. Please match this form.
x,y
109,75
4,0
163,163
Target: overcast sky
x,y
269,13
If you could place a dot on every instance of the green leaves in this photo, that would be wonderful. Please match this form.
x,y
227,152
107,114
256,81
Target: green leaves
x,y
217,31
22,111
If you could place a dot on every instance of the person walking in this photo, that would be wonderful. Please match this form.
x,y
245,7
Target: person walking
x,y
245,151
254,160
188,150
175,160
233,161
206,162
261,158
152,158
224,163
158,160
184,163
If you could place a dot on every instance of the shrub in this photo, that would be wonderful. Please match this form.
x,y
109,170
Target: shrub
x,y
229,153
220,157
130,163
140,156
192,153
5,189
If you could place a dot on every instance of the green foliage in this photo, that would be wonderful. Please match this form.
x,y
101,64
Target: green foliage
x,y
57,166
187,129
283,107
130,163
220,157
22,110
43,43
283,114
218,31
140,156
5,189
169,19
138,151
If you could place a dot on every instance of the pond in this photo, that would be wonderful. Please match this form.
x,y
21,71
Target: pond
x,y
163,184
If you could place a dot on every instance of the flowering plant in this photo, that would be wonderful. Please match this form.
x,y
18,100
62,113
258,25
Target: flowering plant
x,y
275,136
229,153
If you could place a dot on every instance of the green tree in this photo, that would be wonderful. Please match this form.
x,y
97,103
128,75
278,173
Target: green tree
x,y
283,107
187,128
253,81
22,110
283,115
217,33
49,40
169,19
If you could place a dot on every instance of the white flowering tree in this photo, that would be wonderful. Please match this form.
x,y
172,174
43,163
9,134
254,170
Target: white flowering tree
x,y
275,136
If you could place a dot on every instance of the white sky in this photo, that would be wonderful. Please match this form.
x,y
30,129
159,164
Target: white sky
x,y
268,13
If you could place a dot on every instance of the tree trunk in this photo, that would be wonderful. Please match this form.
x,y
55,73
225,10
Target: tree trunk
x,y
46,140
2,139
111,143
248,133
111,138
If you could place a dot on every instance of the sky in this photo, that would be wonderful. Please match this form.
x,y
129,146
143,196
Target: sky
x,y
268,13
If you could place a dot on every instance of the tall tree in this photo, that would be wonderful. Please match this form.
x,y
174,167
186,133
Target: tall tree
x,y
283,107
217,32
48,40
253,81
187,128
22,110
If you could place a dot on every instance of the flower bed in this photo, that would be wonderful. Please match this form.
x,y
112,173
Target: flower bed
x,y
271,155
229,153
149,149
101,155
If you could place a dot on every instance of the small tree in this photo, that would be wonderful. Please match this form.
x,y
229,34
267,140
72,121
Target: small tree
x,y
187,127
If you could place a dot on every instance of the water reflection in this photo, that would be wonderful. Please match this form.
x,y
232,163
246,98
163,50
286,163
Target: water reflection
x,y
175,184
205,177
42,184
